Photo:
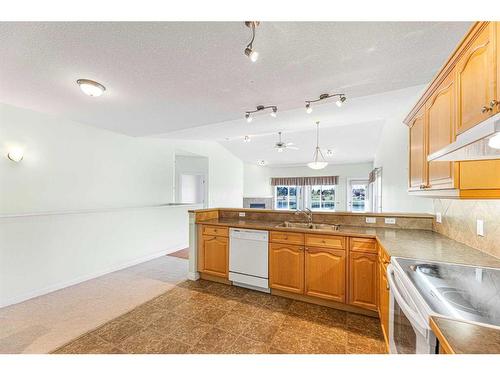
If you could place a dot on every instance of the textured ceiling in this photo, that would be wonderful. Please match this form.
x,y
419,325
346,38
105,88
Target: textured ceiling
x,y
163,77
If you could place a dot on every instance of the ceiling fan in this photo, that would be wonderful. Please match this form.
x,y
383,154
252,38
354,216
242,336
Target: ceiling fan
x,y
281,146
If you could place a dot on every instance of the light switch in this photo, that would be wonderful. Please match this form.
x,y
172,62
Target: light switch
x,y
438,217
390,220
370,220
480,227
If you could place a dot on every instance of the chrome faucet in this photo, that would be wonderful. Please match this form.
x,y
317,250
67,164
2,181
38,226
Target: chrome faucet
x,y
306,211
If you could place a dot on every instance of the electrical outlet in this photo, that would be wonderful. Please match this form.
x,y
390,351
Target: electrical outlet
x,y
438,217
242,214
370,220
480,227
390,220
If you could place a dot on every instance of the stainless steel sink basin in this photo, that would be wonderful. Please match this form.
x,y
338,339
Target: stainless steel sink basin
x,y
313,226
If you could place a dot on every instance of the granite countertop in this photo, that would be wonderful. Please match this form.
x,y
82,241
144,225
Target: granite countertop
x,y
458,337
406,243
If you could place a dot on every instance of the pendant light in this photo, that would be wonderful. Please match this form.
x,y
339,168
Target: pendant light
x,y
317,163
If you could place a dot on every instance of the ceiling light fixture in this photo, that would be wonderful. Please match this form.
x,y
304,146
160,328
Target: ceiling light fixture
x,y
261,162
341,99
91,88
15,154
317,163
329,152
250,52
248,114
247,139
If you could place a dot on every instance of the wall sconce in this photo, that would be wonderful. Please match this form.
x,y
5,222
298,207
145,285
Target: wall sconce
x,y
16,154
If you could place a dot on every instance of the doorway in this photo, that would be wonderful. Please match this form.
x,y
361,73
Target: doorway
x,y
192,188
191,179
357,195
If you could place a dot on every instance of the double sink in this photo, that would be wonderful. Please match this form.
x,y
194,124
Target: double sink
x,y
310,226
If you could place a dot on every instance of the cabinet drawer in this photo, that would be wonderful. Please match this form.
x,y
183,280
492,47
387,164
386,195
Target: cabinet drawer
x,y
211,230
317,240
287,237
365,245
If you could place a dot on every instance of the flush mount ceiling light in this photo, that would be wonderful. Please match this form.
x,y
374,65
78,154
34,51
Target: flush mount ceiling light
x,y
317,163
261,162
91,88
329,152
341,98
274,110
15,154
250,52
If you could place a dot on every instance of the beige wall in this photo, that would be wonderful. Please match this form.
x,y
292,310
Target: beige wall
x,y
459,222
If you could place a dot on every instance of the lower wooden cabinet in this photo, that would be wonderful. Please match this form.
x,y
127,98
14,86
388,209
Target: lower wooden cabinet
x,y
325,273
363,280
214,256
383,300
286,267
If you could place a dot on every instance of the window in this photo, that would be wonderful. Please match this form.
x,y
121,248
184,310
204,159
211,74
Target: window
x,y
322,198
286,197
357,196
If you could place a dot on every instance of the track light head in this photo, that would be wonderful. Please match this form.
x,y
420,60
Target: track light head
x,y
273,113
340,101
252,54
248,117
308,108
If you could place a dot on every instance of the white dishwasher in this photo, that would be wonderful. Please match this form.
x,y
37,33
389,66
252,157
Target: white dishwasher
x,y
248,258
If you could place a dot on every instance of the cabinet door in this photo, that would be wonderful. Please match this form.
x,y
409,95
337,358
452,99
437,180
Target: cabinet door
x,y
325,273
417,151
214,257
286,267
440,129
383,300
496,108
363,280
475,80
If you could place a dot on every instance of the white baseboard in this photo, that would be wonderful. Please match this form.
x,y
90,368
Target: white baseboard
x,y
78,280
193,276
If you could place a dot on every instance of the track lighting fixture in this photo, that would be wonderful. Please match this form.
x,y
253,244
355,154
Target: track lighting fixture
x,y
274,110
247,139
341,99
250,52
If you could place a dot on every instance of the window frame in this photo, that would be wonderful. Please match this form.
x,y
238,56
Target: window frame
x,y
322,188
298,196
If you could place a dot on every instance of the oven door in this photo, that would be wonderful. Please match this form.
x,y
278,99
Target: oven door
x,y
409,333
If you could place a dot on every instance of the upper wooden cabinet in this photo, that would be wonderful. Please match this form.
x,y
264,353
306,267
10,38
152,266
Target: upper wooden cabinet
x,y
417,151
325,273
440,112
286,267
475,79
464,93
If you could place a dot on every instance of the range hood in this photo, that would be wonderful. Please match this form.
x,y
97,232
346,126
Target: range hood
x,y
478,143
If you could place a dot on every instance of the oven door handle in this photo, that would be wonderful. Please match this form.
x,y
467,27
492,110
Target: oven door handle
x,y
410,313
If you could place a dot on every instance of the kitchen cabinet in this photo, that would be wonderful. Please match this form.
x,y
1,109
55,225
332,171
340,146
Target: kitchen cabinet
x,y
383,299
287,237
325,275
331,242
214,256
464,93
475,79
417,151
286,267
366,245
440,112
363,280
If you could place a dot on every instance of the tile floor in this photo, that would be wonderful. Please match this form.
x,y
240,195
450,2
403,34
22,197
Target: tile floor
x,y
42,324
207,317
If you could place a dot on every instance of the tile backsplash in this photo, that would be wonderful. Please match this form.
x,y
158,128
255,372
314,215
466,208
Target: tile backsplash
x,y
459,222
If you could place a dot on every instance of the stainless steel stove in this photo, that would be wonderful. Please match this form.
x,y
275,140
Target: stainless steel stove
x,y
420,289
